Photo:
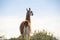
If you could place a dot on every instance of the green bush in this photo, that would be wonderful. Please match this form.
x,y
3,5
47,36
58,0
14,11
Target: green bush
x,y
40,35
43,35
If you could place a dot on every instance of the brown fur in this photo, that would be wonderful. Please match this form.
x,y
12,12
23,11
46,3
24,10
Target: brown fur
x,y
22,26
26,22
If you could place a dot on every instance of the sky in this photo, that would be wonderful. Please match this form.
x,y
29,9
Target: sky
x,y
46,16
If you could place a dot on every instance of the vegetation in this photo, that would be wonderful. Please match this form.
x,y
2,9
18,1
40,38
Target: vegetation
x,y
42,35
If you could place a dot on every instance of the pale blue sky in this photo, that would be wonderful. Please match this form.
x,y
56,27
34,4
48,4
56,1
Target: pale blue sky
x,y
46,16
11,7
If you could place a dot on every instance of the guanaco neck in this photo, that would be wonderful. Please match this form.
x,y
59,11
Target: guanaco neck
x,y
28,17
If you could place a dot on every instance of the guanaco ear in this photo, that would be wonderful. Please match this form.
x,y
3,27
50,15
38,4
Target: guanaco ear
x,y
26,9
29,9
